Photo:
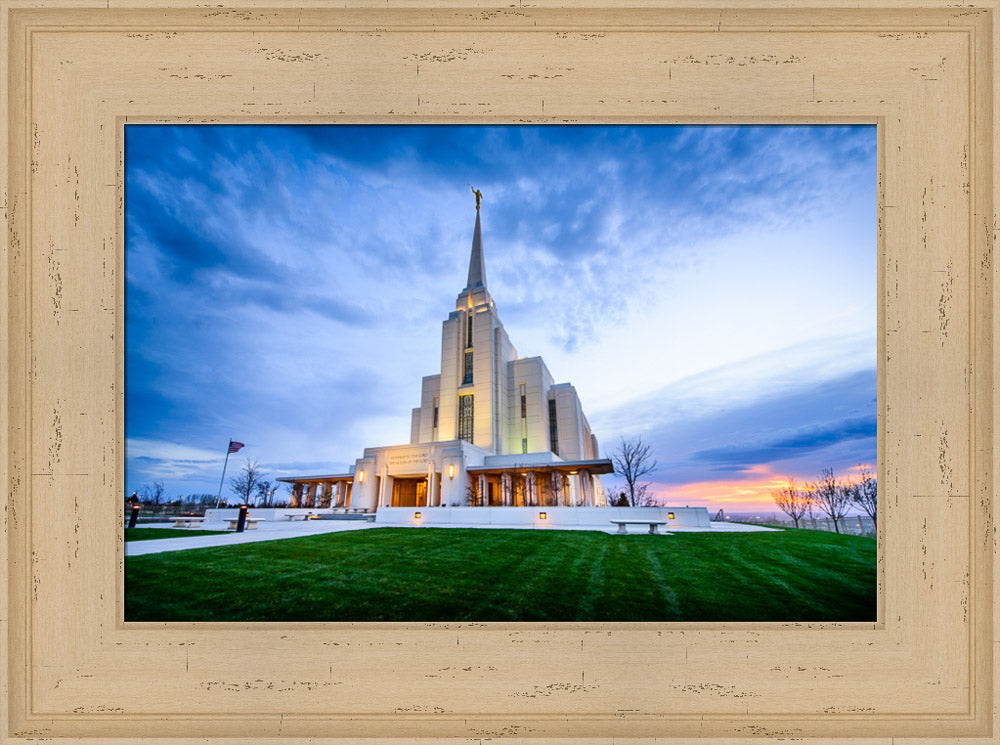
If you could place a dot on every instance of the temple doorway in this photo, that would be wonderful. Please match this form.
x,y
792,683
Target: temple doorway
x,y
409,492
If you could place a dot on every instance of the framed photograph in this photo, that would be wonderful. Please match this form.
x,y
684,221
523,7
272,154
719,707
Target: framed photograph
x,y
689,306
76,78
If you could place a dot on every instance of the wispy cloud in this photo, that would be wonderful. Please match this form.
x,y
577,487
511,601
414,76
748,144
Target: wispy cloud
x,y
801,442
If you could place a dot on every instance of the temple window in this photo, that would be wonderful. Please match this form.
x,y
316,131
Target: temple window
x,y
467,377
465,418
553,427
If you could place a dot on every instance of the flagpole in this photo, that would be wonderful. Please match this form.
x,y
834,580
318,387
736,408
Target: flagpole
x,y
218,497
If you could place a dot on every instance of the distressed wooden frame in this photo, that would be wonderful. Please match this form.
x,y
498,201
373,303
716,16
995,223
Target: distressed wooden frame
x,y
74,72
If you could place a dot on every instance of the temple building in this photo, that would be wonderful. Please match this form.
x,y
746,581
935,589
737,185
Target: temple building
x,y
492,428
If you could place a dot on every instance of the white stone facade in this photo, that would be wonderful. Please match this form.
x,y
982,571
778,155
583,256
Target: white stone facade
x,y
492,429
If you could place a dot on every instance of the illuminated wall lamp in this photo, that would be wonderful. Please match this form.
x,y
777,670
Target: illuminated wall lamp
x,y
416,515
451,471
670,515
361,476
543,515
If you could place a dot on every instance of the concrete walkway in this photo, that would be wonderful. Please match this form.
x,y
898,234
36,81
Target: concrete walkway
x,y
263,532
278,531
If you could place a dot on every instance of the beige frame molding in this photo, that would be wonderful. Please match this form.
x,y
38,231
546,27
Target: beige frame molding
x,y
75,72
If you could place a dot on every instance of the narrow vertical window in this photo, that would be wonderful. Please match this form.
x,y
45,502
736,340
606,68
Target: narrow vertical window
x,y
468,332
467,377
524,419
553,427
435,423
465,418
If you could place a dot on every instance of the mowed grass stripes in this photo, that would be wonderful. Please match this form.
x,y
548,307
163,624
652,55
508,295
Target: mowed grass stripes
x,y
154,534
428,574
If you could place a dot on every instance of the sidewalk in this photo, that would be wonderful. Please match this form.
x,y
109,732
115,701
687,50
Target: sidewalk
x,y
263,532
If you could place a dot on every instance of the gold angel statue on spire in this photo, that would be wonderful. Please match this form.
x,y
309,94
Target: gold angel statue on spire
x,y
479,195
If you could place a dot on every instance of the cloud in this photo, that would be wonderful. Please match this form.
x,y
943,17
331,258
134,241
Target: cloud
x,y
163,450
801,442
743,440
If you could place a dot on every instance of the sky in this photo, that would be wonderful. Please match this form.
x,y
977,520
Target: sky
x,y
710,289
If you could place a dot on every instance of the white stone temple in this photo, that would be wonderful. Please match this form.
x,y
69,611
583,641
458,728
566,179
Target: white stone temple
x,y
492,429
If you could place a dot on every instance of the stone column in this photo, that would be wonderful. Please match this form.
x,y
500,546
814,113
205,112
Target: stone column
x,y
506,490
430,485
310,500
484,492
557,489
586,489
382,487
296,500
530,490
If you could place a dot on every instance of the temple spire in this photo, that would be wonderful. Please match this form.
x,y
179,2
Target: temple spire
x,y
477,269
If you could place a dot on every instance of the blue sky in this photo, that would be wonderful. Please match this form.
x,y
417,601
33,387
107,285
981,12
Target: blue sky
x,y
710,288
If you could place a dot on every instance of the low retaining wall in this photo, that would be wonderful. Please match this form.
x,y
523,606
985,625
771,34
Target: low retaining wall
x,y
269,514
531,517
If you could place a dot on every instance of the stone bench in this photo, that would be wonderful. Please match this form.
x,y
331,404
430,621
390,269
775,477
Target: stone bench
x,y
654,525
188,522
299,516
250,525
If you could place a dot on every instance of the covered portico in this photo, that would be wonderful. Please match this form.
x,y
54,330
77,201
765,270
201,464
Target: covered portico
x,y
321,492
556,484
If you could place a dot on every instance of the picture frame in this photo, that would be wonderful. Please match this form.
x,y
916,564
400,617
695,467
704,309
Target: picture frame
x,y
76,73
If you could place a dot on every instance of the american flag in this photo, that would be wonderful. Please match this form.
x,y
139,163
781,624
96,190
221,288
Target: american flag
x,y
234,447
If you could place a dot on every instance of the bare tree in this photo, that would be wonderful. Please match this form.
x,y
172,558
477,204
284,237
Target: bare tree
x,y
633,460
265,492
791,500
864,493
152,493
831,497
245,483
472,495
200,500
618,500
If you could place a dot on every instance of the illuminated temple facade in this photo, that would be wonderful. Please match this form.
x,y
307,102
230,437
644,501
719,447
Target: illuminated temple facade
x,y
492,429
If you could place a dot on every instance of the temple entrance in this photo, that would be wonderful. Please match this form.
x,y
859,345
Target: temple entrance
x,y
409,492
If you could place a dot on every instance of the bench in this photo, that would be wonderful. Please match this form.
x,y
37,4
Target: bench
x,y
299,516
251,523
188,522
654,525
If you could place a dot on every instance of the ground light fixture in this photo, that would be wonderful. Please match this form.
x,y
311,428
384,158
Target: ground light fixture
x,y
416,515
670,515
543,515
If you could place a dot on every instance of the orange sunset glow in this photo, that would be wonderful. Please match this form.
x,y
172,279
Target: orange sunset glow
x,y
751,494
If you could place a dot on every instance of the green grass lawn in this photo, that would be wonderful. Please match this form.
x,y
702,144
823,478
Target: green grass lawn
x,y
427,574
152,534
